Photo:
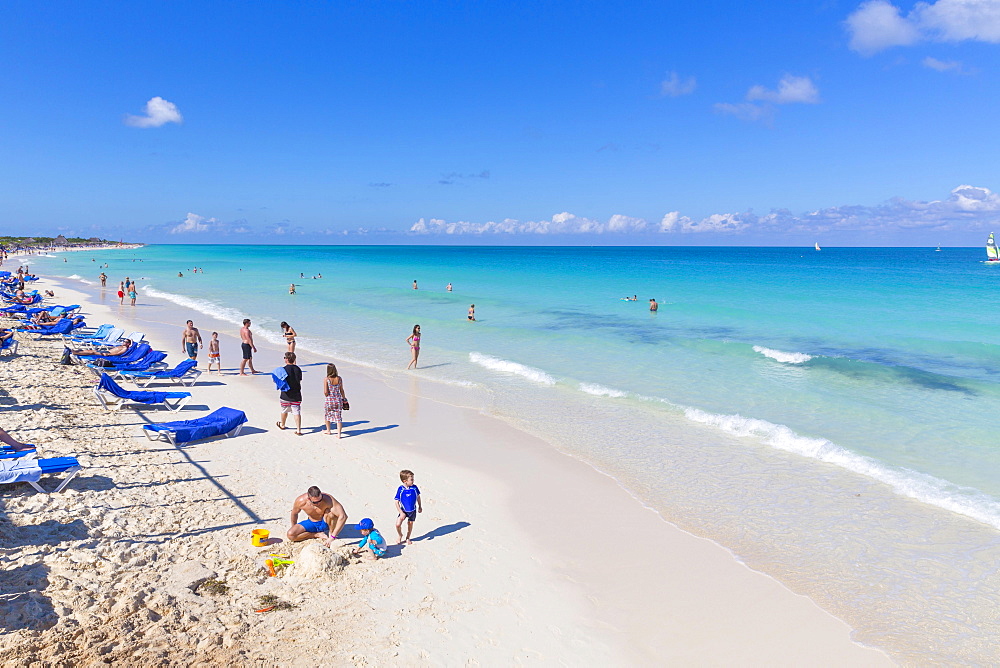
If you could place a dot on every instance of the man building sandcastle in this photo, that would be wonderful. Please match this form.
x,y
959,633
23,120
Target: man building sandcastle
x,y
324,515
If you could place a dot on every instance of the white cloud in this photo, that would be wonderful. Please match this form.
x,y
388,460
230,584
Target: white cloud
x,y
791,90
878,24
746,111
760,101
158,112
193,223
560,223
675,86
942,65
966,208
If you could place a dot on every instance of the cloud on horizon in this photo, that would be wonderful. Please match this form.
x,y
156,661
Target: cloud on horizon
x,y
966,208
877,25
760,104
158,112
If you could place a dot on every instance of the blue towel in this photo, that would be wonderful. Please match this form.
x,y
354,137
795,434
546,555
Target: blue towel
x,y
220,422
280,376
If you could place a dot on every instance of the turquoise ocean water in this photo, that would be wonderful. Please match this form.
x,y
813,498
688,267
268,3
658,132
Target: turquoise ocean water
x,y
831,417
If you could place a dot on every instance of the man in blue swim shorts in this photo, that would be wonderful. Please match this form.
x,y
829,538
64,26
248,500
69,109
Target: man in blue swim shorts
x,y
190,340
322,512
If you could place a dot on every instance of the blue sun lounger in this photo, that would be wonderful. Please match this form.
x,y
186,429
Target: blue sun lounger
x,y
26,469
154,358
114,397
9,347
97,334
225,420
184,373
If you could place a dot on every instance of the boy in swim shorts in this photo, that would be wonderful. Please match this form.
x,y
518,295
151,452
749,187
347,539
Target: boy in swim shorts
x,y
213,353
373,544
407,504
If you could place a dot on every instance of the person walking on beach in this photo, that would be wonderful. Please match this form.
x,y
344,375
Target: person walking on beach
x,y
324,515
407,505
335,400
246,337
291,399
121,292
190,340
472,313
289,333
213,353
414,341
133,294
104,279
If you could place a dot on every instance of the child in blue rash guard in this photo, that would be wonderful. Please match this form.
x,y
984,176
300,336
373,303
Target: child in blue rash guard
x,y
373,544
408,504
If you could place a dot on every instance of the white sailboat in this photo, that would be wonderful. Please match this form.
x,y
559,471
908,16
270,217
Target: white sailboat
x,y
992,255
817,246
938,249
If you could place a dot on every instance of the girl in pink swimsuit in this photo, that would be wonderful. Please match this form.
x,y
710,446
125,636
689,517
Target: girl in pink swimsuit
x,y
414,341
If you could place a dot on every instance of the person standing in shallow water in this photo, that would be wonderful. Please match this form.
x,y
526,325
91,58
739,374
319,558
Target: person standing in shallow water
x,y
472,313
653,306
414,341
414,284
289,333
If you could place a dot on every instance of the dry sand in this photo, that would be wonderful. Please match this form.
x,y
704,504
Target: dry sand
x,y
523,555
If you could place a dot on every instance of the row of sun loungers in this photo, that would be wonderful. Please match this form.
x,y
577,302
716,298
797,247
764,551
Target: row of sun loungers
x,y
139,364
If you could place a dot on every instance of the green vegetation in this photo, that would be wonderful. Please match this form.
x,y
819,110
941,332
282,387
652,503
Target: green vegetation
x,y
50,241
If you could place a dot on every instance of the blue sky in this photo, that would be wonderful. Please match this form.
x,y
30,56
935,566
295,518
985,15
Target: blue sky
x,y
779,123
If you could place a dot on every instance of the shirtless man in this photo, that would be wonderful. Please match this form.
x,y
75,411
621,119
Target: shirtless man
x,y
190,340
248,348
104,279
653,305
322,512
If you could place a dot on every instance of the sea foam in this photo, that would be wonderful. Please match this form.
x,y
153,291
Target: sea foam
x,y
506,366
601,391
922,487
781,356
201,305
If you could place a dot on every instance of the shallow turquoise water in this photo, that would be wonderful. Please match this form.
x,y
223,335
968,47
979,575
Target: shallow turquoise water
x,y
813,369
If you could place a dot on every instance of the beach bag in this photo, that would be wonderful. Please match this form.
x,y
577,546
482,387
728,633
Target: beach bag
x,y
344,405
66,359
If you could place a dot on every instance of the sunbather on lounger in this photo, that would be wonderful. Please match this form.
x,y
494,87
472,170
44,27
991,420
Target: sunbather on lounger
x,y
120,349
6,334
15,444
48,325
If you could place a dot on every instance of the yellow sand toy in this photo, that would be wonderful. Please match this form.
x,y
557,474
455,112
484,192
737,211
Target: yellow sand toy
x,y
275,562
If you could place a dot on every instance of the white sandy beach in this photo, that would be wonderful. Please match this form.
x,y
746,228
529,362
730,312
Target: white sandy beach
x,y
523,555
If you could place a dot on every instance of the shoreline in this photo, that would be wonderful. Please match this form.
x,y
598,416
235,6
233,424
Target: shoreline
x,y
688,607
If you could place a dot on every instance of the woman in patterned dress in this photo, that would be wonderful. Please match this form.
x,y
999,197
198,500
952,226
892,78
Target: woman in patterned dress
x,y
333,390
